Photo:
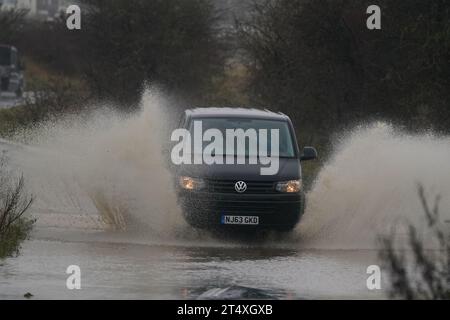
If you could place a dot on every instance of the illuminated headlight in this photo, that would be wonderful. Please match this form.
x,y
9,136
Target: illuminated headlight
x,y
291,186
191,183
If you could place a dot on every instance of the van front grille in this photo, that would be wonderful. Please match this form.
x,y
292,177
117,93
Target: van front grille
x,y
253,187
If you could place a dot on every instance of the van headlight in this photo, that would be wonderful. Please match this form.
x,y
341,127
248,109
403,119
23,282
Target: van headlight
x,y
189,183
292,186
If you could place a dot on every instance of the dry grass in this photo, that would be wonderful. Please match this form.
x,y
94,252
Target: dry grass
x,y
418,272
14,203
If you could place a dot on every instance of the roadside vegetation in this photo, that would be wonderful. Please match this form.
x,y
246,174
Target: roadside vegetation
x,y
313,59
422,269
317,61
15,225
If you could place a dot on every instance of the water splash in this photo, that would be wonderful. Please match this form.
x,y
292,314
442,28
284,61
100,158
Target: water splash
x,y
370,184
104,164
108,169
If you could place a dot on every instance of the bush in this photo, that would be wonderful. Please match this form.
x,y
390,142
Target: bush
x,y
424,274
14,226
57,96
49,100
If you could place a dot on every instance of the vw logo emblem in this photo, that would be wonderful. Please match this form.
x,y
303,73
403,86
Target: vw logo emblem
x,y
240,186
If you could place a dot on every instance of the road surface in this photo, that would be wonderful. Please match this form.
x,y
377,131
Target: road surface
x,y
115,267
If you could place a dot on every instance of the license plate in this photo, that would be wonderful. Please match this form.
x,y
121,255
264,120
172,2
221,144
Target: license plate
x,y
245,220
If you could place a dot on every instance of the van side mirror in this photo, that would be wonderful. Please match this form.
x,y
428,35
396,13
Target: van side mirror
x,y
309,153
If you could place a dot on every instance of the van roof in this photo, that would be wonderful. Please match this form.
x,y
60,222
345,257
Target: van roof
x,y
235,112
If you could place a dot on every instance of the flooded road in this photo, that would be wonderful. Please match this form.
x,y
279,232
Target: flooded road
x,y
104,201
115,268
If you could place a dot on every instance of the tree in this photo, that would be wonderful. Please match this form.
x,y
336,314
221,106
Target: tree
x,y
10,23
316,60
172,43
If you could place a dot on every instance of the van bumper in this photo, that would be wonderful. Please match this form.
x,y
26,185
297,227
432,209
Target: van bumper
x,y
274,211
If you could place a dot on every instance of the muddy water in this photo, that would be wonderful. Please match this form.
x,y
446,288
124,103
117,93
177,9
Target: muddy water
x,y
114,268
104,202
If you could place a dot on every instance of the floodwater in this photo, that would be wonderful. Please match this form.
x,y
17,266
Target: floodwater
x,y
116,269
104,202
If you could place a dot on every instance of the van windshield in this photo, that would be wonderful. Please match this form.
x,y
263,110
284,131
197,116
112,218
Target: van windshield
x,y
5,56
286,146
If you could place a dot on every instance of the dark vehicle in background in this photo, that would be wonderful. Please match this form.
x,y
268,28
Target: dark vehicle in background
x,y
11,71
237,196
